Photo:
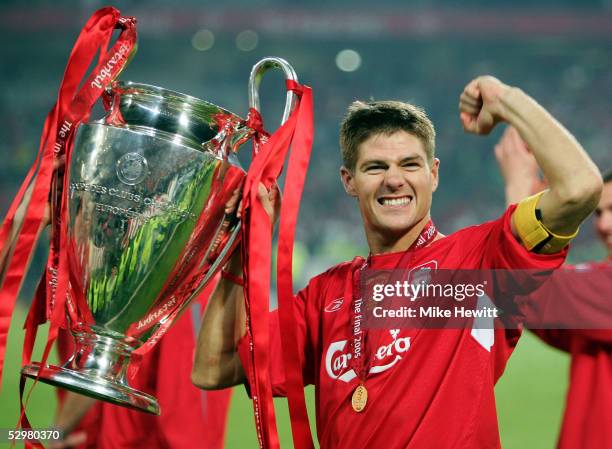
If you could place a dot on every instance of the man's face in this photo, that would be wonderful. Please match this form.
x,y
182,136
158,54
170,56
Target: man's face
x,y
393,183
603,217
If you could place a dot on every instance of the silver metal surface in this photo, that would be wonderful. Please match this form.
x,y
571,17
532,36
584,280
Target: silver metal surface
x,y
257,73
97,369
147,227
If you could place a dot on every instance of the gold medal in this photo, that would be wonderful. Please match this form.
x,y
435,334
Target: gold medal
x,y
360,398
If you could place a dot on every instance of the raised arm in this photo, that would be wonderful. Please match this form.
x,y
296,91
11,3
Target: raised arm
x,y
217,363
574,181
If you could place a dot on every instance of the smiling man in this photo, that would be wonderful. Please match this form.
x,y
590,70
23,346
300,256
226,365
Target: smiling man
x,y
395,173
409,388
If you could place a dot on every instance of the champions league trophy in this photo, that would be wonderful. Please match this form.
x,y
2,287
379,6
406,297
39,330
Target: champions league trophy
x,y
147,227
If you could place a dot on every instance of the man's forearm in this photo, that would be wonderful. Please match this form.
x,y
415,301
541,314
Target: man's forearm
x,y
217,364
573,178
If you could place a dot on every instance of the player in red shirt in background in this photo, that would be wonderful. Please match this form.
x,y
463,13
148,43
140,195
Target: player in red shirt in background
x,y
587,421
189,417
426,388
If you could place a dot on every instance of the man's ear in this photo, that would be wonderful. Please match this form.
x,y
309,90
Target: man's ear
x,y
346,176
434,174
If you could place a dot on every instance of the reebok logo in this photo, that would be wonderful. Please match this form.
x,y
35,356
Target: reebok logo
x,y
334,306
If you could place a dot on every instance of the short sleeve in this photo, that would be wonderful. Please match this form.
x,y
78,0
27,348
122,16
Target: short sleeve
x,y
573,304
510,270
504,251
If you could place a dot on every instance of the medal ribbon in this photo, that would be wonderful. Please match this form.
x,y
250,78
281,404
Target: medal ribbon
x,y
358,360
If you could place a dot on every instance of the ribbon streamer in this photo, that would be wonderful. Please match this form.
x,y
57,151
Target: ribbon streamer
x,y
266,168
73,106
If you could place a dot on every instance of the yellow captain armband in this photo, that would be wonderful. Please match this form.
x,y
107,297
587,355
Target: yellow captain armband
x,y
533,234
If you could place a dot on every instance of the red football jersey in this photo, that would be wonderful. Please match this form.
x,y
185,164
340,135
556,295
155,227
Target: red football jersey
x,y
426,388
587,421
189,416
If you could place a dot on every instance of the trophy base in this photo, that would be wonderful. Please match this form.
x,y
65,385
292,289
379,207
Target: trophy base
x,y
95,387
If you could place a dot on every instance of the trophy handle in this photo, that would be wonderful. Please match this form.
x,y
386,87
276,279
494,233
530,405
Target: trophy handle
x,y
255,79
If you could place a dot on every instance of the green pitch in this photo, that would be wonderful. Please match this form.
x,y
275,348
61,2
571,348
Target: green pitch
x,y
530,397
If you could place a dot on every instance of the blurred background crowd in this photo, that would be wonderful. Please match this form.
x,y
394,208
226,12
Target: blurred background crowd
x,y
422,51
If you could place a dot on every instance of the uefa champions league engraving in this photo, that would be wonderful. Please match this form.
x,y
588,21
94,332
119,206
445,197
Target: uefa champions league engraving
x,y
147,225
132,168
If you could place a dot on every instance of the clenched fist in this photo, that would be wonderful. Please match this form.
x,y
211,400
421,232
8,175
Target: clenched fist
x,y
480,106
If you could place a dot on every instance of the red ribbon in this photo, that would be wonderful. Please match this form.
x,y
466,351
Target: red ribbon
x,y
292,355
266,168
72,107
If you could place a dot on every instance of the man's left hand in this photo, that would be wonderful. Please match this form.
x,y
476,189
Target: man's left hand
x,y
480,108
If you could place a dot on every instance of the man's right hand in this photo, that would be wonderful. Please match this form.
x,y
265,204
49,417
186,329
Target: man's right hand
x,y
270,200
217,363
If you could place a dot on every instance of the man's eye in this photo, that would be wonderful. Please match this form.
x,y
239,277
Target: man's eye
x,y
411,165
373,168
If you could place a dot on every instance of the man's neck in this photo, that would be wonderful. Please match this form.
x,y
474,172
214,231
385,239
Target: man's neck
x,y
380,244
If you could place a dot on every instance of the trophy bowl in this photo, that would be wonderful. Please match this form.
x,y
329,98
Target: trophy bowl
x,y
147,228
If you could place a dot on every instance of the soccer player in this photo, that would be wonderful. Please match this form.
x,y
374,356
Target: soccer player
x,y
425,388
582,291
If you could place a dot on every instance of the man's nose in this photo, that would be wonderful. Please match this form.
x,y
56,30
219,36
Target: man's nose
x,y
394,178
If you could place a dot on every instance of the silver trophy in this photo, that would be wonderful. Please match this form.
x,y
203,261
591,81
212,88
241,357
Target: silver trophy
x,y
147,225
